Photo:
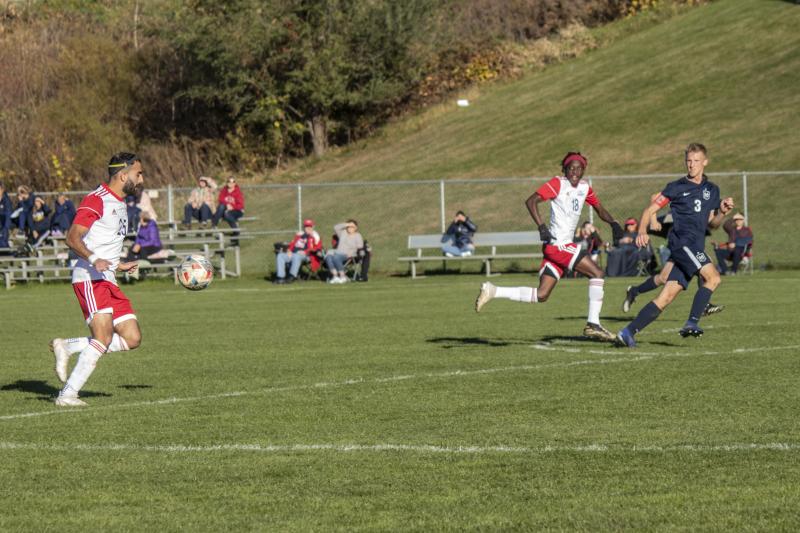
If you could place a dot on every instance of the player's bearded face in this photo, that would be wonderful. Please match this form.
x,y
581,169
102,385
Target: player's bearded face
x,y
134,184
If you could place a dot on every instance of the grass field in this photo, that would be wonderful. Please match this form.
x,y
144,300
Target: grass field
x,y
391,405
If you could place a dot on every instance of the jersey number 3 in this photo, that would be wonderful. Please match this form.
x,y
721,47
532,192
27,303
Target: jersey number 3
x,y
697,206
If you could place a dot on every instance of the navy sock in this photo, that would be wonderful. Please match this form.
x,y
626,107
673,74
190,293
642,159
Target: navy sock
x,y
648,313
647,285
701,299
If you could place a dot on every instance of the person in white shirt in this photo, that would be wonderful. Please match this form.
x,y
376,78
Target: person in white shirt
x,y
567,194
95,241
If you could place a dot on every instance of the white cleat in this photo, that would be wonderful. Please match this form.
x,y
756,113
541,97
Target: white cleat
x,y
70,401
59,349
488,290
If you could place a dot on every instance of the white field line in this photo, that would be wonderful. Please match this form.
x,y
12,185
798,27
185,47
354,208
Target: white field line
x,y
639,357
411,448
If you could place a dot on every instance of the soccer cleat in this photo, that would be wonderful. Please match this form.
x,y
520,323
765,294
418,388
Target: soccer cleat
x,y
70,401
596,331
59,349
624,339
488,290
691,330
711,309
630,297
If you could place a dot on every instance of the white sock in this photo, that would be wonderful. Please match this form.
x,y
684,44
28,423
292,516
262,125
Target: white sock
x,y
84,368
117,344
595,299
517,294
76,344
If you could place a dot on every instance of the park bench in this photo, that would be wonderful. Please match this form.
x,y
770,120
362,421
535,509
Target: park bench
x,y
486,248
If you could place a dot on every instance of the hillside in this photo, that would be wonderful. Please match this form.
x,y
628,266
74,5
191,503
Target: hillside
x,y
723,73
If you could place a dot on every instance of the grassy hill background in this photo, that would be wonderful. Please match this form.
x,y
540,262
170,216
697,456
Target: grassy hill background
x,y
725,74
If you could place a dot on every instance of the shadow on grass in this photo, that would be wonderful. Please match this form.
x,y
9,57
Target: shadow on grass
x,y
461,342
135,387
606,318
43,390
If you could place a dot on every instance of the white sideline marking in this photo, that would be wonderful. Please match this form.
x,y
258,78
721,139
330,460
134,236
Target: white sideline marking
x,y
641,356
413,448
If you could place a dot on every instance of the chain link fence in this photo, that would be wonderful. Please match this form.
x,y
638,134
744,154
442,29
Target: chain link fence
x,y
387,212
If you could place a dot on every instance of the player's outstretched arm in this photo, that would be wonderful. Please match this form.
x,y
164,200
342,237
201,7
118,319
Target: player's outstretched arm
x,y
642,239
605,216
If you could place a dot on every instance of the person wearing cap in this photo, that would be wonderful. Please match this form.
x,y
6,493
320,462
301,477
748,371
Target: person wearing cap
x,y
567,194
623,259
696,204
740,239
230,206
302,249
201,203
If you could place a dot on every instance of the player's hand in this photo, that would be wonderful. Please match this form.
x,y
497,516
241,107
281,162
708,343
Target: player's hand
x,y
616,232
130,266
101,265
655,226
544,234
726,206
642,239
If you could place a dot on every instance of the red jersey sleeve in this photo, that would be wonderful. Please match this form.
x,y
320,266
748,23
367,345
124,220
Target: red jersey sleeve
x,y
90,210
550,189
591,198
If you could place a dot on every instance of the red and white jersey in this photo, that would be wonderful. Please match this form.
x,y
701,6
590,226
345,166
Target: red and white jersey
x,y
106,216
566,206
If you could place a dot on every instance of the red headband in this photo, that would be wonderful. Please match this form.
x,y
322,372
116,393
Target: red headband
x,y
575,157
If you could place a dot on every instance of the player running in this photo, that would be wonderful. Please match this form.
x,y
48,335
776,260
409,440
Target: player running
x,y
695,204
661,226
567,194
95,242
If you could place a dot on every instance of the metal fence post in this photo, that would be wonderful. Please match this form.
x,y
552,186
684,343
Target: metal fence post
x,y
299,207
744,199
441,202
170,217
591,211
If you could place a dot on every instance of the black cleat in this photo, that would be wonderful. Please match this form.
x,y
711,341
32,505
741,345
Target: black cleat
x,y
711,309
630,297
690,330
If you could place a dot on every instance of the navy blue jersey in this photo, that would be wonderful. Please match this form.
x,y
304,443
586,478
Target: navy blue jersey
x,y
691,203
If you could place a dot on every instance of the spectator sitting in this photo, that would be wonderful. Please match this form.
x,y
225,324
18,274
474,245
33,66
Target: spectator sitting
x,y
145,205
40,222
63,214
230,207
457,240
134,212
590,240
740,238
302,249
349,243
148,241
21,216
5,217
201,203
624,258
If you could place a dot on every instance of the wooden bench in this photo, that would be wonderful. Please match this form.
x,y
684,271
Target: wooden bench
x,y
34,268
486,245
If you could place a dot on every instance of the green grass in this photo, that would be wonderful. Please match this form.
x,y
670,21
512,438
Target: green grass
x,y
395,362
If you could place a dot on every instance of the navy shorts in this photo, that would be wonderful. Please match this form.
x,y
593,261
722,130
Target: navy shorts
x,y
688,261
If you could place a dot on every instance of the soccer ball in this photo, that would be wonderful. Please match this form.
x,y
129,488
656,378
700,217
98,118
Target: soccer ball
x,y
195,272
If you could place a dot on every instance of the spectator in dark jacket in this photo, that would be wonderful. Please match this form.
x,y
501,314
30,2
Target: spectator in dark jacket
x,y
5,216
457,240
740,238
40,222
63,214
22,211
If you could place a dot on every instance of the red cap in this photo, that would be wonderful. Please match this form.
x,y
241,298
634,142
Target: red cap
x,y
631,221
308,222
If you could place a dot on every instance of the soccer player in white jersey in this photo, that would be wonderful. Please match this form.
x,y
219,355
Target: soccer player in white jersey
x,y
567,194
95,242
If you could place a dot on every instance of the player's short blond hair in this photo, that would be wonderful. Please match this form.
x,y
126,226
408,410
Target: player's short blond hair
x,y
696,147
